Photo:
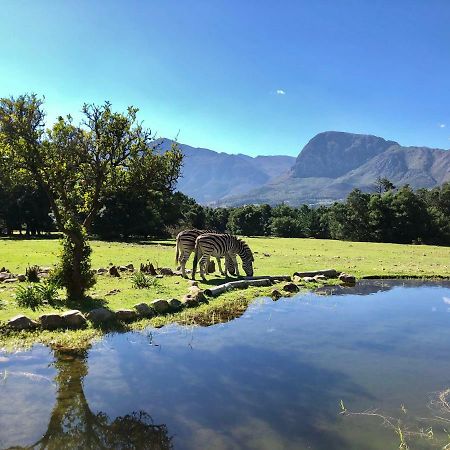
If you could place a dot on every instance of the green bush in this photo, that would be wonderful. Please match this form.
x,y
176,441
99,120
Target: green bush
x,y
141,281
32,274
34,296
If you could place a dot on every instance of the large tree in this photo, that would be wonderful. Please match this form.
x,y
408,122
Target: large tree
x,y
77,165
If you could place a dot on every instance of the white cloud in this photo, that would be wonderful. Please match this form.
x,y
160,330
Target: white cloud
x,y
442,125
281,92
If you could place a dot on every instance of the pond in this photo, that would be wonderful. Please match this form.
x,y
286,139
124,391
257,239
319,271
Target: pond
x,y
278,377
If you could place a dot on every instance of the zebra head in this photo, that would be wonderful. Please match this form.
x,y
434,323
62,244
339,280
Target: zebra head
x,y
247,258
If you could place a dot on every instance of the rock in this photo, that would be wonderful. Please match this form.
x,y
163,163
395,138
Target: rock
x,y
114,271
144,310
320,278
159,276
100,315
175,304
197,294
309,279
113,292
276,294
211,267
11,280
51,321
347,279
74,319
193,283
4,276
126,315
290,287
329,273
4,269
101,270
297,279
165,271
123,268
22,322
267,255
189,302
160,306
130,267
21,278
45,269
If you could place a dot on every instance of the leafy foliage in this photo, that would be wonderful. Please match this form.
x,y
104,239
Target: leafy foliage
x,y
141,281
34,296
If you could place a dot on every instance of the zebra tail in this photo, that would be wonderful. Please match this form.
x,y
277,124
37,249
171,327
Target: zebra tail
x,y
177,255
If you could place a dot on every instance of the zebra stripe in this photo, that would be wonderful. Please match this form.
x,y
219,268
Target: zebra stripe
x,y
185,245
217,245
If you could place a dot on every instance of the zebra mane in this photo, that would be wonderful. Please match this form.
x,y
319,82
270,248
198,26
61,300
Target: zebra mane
x,y
245,247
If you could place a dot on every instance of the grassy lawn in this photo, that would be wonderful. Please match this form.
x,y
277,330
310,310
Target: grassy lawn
x,y
273,256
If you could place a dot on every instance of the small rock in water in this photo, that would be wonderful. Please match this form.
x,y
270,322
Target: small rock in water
x,y
347,279
276,294
290,287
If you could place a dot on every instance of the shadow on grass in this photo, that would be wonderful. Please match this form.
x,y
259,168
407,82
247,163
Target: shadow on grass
x,y
87,304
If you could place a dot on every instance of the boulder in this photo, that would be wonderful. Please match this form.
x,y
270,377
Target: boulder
x,y
51,321
166,271
329,273
4,276
123,268
320,278
189,302
11,280
101,270
100,315
159,276
21,278
160,306
276,294
290,287
309,279
114,271
197,294
74,319
175,304
45,269
126,315
22,322
130,267
193,283
144,310
347,279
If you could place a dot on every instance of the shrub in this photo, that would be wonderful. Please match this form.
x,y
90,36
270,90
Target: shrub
x,y
32,274
141,281
34,296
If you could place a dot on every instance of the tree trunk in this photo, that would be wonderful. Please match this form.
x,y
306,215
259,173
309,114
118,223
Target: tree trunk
x,y
75,284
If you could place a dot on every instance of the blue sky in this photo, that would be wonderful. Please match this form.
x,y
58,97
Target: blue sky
x,y
255,77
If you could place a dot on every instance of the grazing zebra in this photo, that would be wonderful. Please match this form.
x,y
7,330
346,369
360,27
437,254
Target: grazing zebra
x,y
217,245
185,246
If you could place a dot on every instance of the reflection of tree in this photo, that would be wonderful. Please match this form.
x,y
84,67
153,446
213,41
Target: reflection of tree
x,y
74,426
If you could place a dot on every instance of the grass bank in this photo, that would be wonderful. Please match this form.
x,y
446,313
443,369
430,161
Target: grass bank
x,y
272,256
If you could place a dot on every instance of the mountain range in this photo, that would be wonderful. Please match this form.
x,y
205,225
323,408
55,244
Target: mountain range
x,y
327,169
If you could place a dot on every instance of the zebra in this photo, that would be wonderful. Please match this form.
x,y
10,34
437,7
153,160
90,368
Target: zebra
x,y
185,245
217,245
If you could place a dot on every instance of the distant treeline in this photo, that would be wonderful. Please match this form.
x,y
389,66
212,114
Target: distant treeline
x,y
390,215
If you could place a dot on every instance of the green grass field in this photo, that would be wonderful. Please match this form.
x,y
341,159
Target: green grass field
x,y
273,256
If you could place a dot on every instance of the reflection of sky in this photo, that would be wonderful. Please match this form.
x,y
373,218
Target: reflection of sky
x,y
270,379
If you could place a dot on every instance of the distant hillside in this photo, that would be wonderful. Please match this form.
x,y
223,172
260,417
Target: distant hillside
x,y
333,163
209,176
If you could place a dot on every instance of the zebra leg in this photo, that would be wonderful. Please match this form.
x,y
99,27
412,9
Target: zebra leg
x,y
236,267
220,267
203,265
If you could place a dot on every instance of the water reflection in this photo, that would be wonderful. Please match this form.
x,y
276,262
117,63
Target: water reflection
x,y
73,425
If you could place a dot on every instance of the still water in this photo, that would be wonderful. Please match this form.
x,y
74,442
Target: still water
x,y
272,379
